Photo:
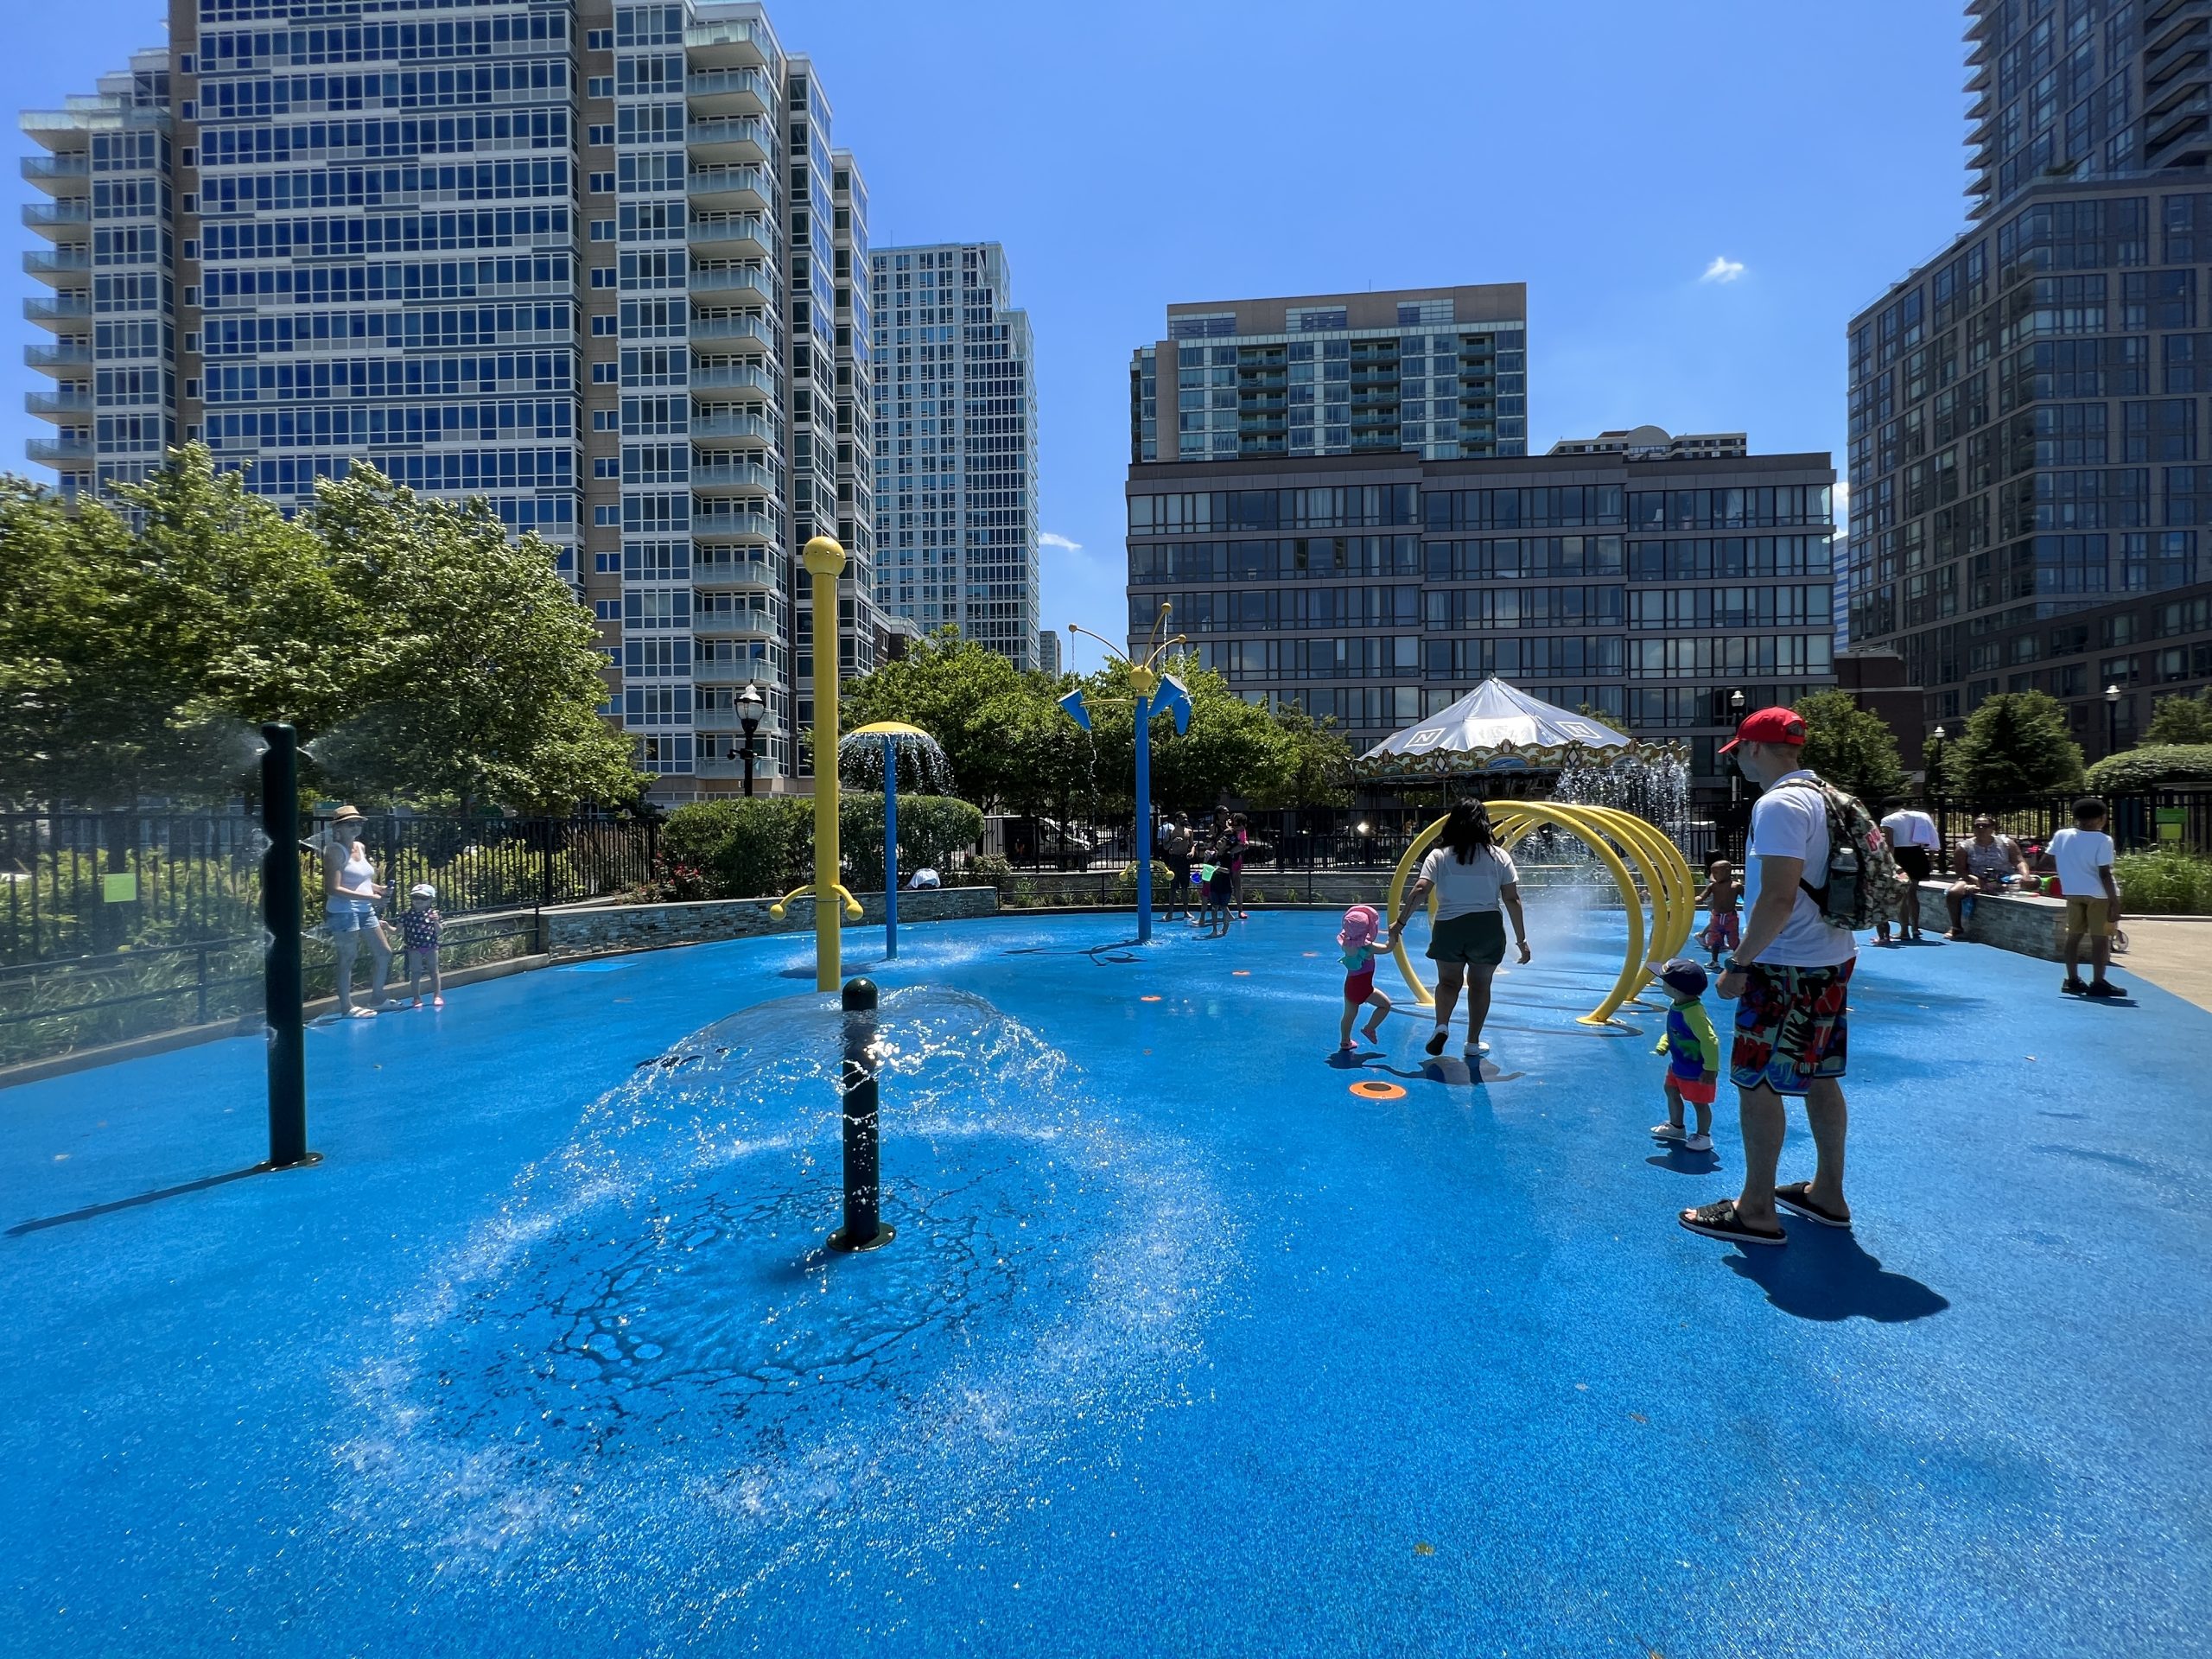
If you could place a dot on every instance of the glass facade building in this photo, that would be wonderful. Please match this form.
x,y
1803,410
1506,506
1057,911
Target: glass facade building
x,y
592,262
956,447
1371,590
2028,457
1441,373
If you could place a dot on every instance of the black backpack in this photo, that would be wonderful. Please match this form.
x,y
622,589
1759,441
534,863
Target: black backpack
x,y
1861,889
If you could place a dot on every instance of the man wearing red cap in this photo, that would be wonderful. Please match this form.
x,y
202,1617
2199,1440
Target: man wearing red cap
x,y
1791,979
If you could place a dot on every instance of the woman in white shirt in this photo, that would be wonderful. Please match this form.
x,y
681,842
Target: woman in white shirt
x,y
1474,879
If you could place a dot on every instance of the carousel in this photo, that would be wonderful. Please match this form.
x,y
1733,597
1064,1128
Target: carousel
x,y
1616,795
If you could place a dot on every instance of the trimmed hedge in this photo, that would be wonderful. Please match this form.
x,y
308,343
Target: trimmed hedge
x,y
2151,765
763,848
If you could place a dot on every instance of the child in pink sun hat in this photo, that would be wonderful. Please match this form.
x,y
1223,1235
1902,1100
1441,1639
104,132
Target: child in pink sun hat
x,y
1361,937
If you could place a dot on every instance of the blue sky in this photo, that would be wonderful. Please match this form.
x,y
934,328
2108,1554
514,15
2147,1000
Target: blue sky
x,y
1607,153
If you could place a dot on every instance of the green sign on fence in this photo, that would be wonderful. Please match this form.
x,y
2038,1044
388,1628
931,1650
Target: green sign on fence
x,y
121,889
2171,819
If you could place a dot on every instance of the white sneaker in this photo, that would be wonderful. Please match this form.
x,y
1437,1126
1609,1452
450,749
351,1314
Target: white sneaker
x,y
1698,1143
1474,1051
1667,1132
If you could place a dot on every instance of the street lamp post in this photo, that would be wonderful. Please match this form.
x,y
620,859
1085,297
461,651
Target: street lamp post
x,y
1735,778
2112,720
750,708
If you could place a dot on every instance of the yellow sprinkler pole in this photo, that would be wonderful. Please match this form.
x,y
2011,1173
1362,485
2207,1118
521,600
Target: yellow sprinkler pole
x,y
825,561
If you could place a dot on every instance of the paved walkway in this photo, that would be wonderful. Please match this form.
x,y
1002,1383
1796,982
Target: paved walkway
x,y
2173,951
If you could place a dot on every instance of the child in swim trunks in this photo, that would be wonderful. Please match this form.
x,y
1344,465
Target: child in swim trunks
x,y
1693,1054
1360,938
1723,901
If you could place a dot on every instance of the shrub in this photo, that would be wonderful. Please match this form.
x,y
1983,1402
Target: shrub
x,y
931,828
988,870
2165,882
737,849
2149,767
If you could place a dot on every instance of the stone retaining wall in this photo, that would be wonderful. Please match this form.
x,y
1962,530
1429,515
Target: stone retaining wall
x,y
1261,887
581,929
2027,922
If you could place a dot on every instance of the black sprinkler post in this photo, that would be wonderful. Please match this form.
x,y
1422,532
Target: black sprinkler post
x,y
864,1228
283,990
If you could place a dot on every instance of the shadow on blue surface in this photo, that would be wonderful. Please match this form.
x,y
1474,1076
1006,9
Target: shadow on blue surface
x,y
1826,1274
155,1197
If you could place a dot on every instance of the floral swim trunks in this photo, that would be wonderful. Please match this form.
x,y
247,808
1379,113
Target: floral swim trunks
x,y
1791,1026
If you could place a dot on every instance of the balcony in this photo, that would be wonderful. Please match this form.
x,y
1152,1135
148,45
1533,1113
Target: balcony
x,y
731,425
729,43
66,220
744,673
72,401
60,311
708,571
734,376
744,279
711,330
735,526
730,189
60,452
732,139
728,91
66,175
2186,51
59,265
745,236
63,358
753,622
2177,127
746,477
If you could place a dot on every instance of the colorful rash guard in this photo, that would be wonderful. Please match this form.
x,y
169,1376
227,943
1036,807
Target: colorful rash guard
x,y
1692,1050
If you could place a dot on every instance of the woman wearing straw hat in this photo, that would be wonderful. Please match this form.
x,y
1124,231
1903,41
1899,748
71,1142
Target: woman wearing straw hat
x,y
350,891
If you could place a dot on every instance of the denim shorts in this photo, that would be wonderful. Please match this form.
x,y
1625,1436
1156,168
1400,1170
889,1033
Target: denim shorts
x,y
351,915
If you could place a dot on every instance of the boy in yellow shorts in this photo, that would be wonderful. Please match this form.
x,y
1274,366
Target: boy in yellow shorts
x,y
2083,856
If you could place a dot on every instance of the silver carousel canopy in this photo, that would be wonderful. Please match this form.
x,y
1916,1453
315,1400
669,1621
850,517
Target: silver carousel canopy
x,y
1498,727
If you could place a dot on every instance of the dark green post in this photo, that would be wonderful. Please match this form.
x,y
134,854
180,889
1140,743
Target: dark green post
x,y
863,1228
283,987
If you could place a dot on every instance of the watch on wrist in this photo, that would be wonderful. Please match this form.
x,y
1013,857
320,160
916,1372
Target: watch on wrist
x,y
1733,966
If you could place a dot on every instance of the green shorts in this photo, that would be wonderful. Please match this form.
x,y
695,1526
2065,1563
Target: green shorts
x,y
1479,936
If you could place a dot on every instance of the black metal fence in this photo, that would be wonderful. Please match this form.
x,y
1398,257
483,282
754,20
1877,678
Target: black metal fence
x,y
116,925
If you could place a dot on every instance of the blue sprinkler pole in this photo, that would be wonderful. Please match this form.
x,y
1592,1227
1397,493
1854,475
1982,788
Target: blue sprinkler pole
x,y
1144,820
890,845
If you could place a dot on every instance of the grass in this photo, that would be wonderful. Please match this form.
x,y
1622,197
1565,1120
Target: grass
x,y
2164,883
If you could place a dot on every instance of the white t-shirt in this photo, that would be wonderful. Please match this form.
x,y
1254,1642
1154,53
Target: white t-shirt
x,y
1910,828
1793,823
2079,855
1462,889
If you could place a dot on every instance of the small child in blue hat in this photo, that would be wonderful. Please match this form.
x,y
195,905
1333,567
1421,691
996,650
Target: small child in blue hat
x,y
1693,1054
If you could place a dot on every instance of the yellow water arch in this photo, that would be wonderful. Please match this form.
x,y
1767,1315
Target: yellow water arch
x,y
1609,833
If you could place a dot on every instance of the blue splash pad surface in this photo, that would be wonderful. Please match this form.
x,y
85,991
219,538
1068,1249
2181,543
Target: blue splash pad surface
x,y
1181,1346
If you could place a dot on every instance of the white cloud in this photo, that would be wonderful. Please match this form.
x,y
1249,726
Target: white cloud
x,y
1842,502
1722,270
1052,538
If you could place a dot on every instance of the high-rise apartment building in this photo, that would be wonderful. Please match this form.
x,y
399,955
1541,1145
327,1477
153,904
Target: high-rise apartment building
x,y
1048,652
1437,373
2031,465
595,262
955,446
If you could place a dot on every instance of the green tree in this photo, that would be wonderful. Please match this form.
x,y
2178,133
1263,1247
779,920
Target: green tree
x,y
969,699
2181,719
2151,766
480,683
1852,748
129,655
2017,747
426,656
